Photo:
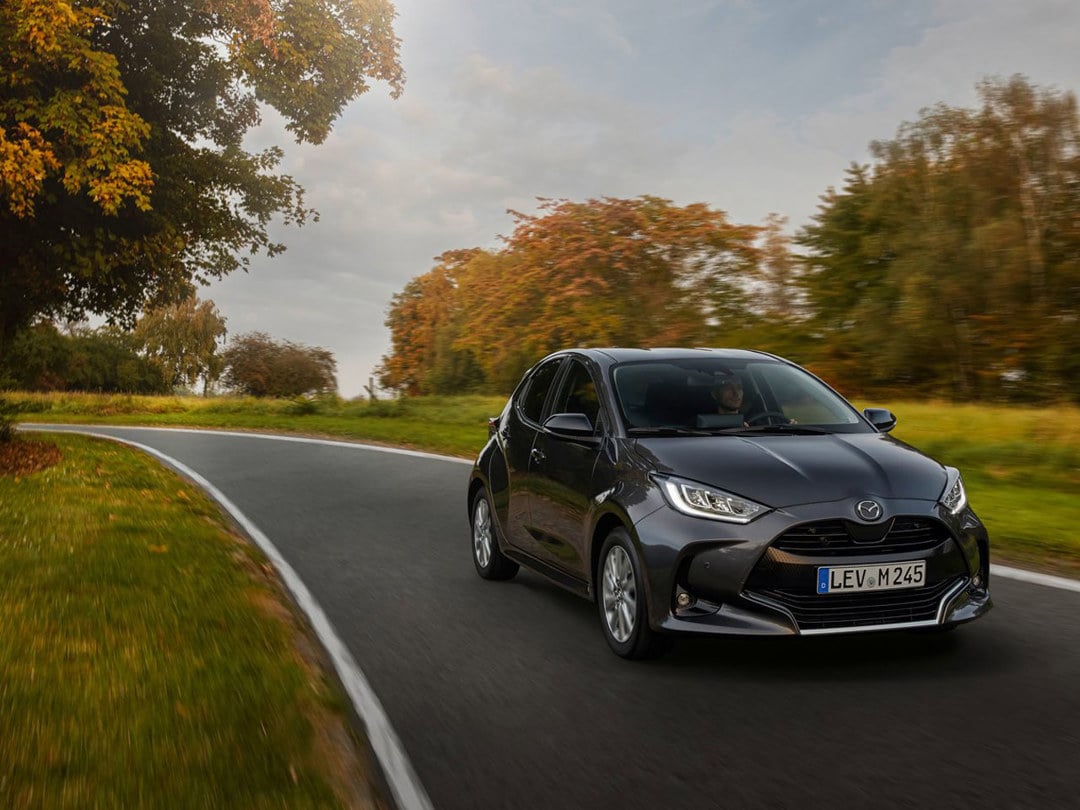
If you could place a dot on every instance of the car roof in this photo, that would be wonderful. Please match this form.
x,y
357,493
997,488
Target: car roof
x,y
612,355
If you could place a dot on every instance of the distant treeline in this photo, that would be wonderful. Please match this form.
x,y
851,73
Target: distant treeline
x,y
948,267
179,347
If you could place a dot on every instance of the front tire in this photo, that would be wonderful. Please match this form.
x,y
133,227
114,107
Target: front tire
x,y
490,562
621,598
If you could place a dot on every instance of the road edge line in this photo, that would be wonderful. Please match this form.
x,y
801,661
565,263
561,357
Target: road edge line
x,y
400,451
409,793
1051,581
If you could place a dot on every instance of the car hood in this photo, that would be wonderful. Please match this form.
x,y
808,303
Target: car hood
x,y
783,471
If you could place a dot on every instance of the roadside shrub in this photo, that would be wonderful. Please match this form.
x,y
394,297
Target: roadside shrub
x,y
258,365
384,408
302,407
26,406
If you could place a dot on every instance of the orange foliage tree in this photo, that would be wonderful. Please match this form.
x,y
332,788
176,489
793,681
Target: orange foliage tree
x,y
629,272
423,321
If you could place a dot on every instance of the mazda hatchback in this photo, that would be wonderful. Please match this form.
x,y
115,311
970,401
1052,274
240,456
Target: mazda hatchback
x,y
720,492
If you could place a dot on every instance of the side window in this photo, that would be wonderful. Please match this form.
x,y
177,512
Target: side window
x,y
532,400
578,393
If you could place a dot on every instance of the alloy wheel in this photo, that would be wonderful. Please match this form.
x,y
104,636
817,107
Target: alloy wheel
x,y
619,593
482,539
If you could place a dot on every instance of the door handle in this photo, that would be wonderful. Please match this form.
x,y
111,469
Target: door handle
x,y
537,455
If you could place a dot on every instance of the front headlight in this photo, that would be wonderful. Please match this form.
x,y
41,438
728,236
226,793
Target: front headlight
x,y
699,500
955,498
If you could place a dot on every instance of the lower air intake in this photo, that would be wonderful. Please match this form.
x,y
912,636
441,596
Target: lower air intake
x,y
838,611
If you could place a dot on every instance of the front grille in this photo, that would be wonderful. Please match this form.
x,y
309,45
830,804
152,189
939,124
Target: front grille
x,y
830,611
835,538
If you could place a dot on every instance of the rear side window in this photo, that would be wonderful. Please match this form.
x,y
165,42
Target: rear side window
x,y
532,400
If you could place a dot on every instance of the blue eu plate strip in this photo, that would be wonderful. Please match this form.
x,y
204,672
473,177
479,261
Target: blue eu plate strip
x,y
823,580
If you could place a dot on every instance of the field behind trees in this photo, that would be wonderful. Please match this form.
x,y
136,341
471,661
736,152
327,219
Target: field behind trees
x,y
1021,464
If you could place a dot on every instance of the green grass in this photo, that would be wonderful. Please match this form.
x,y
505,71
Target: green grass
x,y
1021,467
1021,464
147,659
452,425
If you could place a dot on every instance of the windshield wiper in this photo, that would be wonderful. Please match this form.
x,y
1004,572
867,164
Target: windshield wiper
x,y
795,430
661,430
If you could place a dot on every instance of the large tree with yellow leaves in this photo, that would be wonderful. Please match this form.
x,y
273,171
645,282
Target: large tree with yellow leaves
x,y
123,175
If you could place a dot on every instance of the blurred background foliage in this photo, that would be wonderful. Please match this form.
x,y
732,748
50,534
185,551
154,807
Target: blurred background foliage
x,y
948,267
174,348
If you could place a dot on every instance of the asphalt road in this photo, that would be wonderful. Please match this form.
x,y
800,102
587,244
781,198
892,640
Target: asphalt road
x,y
505,694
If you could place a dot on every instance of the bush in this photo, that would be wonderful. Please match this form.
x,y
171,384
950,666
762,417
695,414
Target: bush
x,y
385,408
258,365
26,406
302,407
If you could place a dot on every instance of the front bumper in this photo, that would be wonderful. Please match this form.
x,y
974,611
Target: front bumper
x,y
760,579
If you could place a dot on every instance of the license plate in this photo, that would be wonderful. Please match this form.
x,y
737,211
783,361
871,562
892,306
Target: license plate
x,y
853,578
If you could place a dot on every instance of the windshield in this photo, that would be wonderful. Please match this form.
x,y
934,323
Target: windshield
x,y
718,395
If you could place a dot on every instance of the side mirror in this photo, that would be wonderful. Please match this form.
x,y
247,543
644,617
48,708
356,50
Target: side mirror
x,y
493,425
576,425
880,418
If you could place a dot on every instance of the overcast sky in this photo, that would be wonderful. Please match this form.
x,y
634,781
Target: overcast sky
x,y
751,106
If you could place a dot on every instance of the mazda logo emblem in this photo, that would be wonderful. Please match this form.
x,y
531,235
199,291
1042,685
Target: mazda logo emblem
x,y
868,510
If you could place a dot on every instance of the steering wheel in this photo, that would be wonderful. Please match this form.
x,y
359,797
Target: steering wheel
x,y
766,417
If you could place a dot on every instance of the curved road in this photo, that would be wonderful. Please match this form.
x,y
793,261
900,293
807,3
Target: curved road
x,y
505,694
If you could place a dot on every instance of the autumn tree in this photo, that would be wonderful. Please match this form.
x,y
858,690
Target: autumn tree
x,y
638,272
629,272
123,172
260,366
779,268
424,321
950,265
182,341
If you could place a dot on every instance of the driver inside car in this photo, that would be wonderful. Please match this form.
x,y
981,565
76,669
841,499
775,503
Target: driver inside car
x,y
728,393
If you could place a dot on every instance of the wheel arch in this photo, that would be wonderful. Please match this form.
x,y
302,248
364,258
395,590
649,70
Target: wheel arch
x,y
476,483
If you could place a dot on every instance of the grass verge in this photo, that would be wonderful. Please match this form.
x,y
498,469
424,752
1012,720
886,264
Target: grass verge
x,y
451,425
147,656
1021,467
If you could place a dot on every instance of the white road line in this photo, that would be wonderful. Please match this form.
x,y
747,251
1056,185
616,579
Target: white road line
x,y
1049,580
409,794
273,436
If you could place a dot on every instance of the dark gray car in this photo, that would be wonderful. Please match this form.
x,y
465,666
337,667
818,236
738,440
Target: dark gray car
x,y
724,492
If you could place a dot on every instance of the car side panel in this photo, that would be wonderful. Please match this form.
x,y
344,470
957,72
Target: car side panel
x,y
561,501
519,440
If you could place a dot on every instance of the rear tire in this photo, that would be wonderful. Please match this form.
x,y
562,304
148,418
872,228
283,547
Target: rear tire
x,y
623,602
490,562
